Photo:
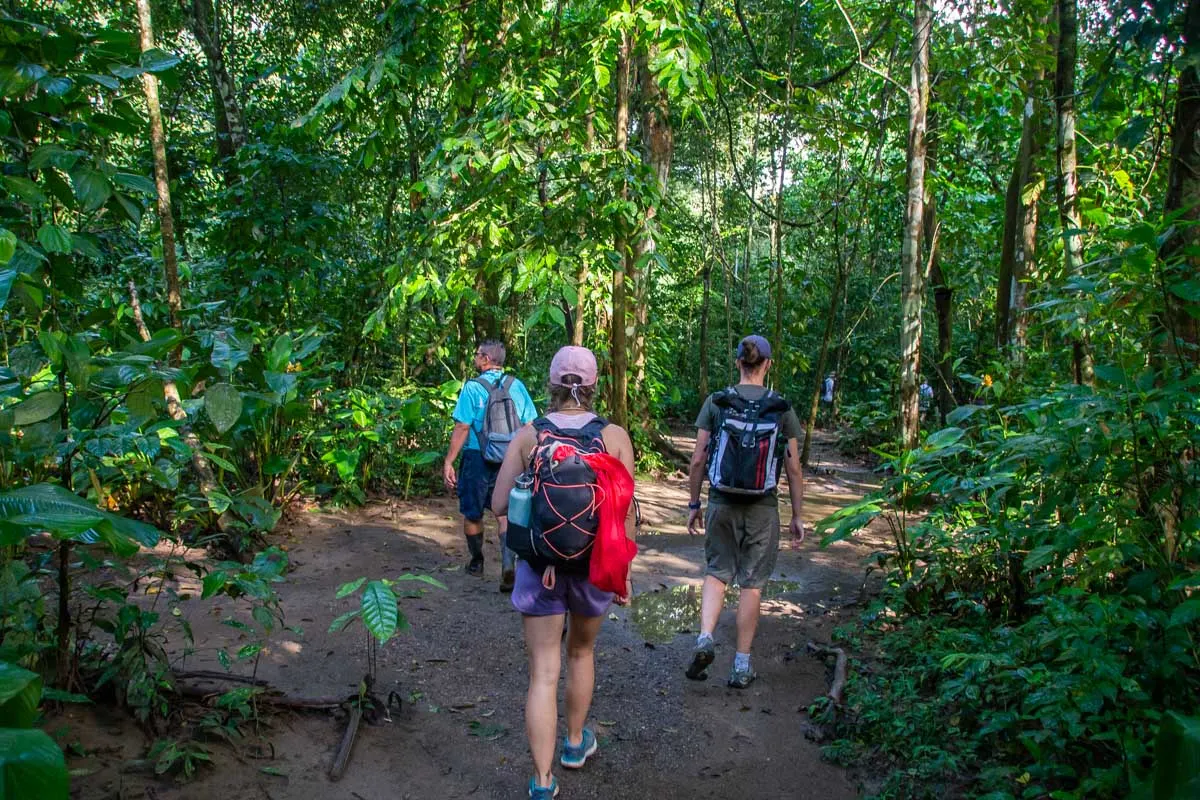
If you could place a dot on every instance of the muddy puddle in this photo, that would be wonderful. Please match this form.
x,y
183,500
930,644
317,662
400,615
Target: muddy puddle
x,y
661,615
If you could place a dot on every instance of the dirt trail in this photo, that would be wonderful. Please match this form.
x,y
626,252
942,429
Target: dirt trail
x,y
461,670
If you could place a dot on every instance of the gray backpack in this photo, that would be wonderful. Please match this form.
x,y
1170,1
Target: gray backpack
x,y
500,420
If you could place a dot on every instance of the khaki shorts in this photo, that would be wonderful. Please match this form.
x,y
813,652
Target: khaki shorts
x,y
741,543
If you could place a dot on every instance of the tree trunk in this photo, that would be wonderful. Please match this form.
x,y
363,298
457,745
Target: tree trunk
x,y
581,277
942,296
777,253
619,408
1025,244
230,124
1182,317
822,356
1004,276
658,148
162,182
912,270
1068,177
748,257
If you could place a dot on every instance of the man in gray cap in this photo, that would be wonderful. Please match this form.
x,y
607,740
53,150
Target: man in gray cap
x,y
743,434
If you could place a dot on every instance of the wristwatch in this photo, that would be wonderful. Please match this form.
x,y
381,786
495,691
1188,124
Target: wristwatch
x,y
694,506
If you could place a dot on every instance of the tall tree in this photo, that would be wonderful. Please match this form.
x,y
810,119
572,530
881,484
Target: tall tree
x,y
658,148
619,396
912,268
1183,195
1031,183
1068,173
205,25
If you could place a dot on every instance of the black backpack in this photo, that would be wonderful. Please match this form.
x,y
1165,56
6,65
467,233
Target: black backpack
x,y
746,452
565,513
500,420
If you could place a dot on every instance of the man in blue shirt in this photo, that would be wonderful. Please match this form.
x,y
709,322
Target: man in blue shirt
x,y
476,478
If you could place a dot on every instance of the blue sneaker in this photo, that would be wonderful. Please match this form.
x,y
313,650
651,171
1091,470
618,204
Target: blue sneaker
x,y
543,792
575,756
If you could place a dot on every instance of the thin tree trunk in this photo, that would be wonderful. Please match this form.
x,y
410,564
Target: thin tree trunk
x,y
1004,276
748,257
912,269
810,424
1025,244
230,123
1182,316
1068,177
162,182
581,277
777,249
658,148
619,408
942,296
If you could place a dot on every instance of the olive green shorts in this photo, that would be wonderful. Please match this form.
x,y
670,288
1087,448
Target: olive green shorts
x,y
741,543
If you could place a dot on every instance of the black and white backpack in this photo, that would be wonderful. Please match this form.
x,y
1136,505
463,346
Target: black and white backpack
x,y
746,451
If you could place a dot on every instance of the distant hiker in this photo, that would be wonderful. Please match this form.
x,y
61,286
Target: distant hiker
x,y
491,408
743,434
575,485
827,398
924,397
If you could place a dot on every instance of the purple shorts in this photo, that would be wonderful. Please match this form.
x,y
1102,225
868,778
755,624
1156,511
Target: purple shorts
x,y
573,593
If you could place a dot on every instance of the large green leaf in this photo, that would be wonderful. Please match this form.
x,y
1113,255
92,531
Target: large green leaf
x,y
54,238
280,354
223,403
137,183
156,60
44,506
8,246
379,611
20,692
31,766
1177,758
91,187
37,407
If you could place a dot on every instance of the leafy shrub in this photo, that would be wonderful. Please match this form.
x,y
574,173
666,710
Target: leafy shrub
x,y
1044,607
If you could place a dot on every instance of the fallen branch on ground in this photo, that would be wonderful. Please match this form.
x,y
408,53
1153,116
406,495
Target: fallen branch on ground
x,y
668,449
838,686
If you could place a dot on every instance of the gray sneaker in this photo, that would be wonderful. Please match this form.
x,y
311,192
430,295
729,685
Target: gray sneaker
x,y
741,678
702,656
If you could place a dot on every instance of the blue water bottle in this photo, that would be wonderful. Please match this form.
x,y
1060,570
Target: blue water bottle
x,y
520,500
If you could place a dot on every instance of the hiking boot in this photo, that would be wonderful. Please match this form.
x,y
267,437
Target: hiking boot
x,y
702,656
476,567
575,756
508,579
543,792
741,678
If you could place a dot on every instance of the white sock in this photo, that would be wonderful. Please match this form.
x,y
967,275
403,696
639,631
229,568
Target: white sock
x,y
741,662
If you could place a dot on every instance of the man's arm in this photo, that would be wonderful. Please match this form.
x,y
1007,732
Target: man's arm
x,y
696,479
457,439
795,476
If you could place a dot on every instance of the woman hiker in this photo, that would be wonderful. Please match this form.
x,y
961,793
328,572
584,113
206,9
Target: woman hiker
x,y
547,595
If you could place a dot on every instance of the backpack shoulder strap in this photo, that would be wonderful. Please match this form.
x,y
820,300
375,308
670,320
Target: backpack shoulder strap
x,y
506,381
487,385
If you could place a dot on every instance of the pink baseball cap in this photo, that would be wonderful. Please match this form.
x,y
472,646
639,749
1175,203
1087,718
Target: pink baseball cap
x,y
573,360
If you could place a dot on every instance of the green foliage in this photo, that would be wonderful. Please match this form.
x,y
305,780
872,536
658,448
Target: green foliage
x,y
31,764
1044,599
379,608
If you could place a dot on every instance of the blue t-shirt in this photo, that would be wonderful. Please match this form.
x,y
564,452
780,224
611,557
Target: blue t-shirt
x,y
472,404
